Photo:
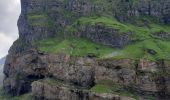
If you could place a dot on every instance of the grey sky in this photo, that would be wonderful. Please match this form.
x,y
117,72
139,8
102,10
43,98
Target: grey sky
x,y
9,13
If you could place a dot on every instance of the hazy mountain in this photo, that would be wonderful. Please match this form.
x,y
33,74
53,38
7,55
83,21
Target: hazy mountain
x,y
2,61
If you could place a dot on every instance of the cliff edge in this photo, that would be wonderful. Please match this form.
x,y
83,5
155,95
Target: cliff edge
x,y
91,50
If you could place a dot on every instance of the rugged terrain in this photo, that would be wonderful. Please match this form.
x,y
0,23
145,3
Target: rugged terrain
x,y
91,50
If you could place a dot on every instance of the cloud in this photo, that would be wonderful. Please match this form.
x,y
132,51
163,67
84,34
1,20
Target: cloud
x,y
9,13
5,41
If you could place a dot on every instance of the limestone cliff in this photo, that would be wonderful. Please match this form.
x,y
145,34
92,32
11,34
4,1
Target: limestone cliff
x,y
91,50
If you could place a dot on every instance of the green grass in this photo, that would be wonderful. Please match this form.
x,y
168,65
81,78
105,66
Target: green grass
x,y
40,20
142,38
41,16
139,32
105,21
101,89
83,47
139,50
107,86
73,46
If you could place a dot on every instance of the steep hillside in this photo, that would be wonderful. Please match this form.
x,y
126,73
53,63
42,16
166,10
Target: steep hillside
x,y
91,50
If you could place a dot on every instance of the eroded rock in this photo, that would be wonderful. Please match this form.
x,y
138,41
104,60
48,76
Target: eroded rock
x,y
53,90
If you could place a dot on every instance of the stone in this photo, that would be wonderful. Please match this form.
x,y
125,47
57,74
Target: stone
x,y
58,91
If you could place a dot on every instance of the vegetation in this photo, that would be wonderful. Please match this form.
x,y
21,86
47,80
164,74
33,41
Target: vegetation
x,y
68,18
140,50
4,96
139,32
40,20
107,86
105,21
112,14
143,40
73,46
50,81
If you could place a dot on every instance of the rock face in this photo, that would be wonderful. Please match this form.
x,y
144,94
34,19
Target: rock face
x,y
41,19
32,66
148,78
105,35
162,35
47,90
158,9
119,71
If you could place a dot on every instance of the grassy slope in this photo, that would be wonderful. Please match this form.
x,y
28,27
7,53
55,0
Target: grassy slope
x,y
107,86
142,35
74,46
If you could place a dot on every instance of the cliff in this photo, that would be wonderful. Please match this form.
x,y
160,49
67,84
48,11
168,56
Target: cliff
x,y
91,50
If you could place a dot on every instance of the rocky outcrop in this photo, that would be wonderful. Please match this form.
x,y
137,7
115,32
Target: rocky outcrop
x,y
41,19
31,66
142,78
126,9
145,77
53,90
162,35
105,35
119,71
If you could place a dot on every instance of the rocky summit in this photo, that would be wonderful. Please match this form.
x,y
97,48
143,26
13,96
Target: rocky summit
x,y
90,50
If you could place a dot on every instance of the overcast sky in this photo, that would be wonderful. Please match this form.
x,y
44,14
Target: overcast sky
x,y
9,13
